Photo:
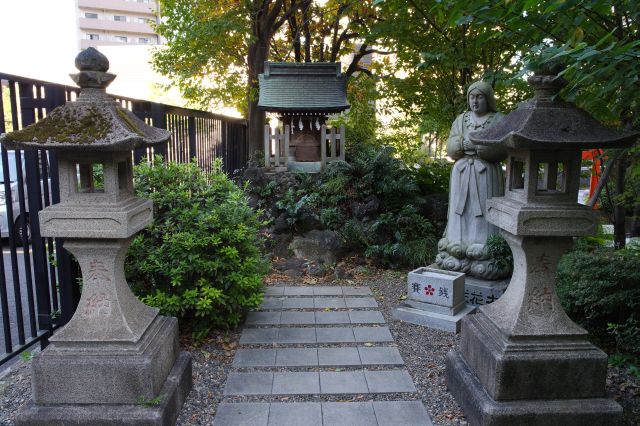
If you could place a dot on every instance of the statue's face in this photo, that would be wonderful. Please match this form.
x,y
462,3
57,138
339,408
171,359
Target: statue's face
x,y
478,102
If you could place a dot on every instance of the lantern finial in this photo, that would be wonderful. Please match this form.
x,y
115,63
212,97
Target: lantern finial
x,y
93,67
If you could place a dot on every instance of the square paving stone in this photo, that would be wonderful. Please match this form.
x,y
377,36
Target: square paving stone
x,y
361,302
297,318
290,383
255,358
263,318
249,384
297,357
296,413
298,291
349,413
329,302
271,303
356,291
297,335
274,291
372,334
366,317
332,317
335,335
327,291
242,414
338,356
259,335
389,381
380,355
297,303
342,382
405,413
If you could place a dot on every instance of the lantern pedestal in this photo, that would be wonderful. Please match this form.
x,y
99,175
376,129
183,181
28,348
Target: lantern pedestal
x,y
522,360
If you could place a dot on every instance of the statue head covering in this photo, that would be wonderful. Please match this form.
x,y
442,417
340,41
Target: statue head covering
x,y
486,90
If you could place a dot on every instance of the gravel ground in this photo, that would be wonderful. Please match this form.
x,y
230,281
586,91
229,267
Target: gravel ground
x,y
423,351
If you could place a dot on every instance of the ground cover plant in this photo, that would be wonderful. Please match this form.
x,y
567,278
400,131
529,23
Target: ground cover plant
x,y
200,260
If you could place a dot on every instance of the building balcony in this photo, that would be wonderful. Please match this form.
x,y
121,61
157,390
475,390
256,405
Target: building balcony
x,y
150,8
88,24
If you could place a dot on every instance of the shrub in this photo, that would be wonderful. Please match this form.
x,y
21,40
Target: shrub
x,y
433,177
601,291
200,259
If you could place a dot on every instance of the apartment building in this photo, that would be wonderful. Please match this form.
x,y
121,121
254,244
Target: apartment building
x,y
117,22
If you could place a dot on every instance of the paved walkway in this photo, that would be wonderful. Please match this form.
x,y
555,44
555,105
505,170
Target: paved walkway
x,y
324,344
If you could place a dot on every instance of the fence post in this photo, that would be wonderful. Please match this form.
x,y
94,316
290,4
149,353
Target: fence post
x,y
286,145
159,119
323,146
277,138
333,143
343,143
191,123
34,199
267,146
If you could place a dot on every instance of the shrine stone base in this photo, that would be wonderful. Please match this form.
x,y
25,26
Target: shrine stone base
x,y
408,312
111,383
165,413
542,380
304,166
482,292
482,410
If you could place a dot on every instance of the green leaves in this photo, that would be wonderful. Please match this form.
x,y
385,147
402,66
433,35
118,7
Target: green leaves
x,y
200,260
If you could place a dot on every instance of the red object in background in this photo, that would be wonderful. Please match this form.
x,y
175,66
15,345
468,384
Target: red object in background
x,y
594,155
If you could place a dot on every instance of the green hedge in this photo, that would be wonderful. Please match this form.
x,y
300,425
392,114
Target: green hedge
x,y
200,260
600,290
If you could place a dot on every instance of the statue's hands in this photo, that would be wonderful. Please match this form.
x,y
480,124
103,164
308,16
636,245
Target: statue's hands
x,y
467,145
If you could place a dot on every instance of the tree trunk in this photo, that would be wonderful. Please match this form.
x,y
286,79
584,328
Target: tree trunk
x,y
258,54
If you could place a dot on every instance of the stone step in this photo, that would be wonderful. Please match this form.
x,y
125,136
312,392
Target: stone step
x,y
317,357
319,383
368,413
317,291
312,318
298,335
285,302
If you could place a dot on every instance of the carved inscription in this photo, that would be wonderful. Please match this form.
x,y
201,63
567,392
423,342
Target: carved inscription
x,y
540,300
97,271
542,264
97,305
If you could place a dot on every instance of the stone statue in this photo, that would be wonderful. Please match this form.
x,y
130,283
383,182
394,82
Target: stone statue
x,y
476,176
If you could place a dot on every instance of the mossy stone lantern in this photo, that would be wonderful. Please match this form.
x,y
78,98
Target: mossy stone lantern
x,y
522,360
115,351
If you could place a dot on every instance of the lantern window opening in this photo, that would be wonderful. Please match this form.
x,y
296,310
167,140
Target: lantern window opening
x,y
517,173
551,177
89,177
125,176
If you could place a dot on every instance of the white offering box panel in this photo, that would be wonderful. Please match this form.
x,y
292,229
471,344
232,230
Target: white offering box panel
x,y
443,288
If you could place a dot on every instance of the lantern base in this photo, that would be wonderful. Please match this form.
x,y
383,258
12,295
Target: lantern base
x,y
145,413
103,373
482,410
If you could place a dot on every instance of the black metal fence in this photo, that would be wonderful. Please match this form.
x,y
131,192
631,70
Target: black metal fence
x,y
39,289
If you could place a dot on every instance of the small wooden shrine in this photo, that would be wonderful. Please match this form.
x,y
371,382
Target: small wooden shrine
x,y
302,95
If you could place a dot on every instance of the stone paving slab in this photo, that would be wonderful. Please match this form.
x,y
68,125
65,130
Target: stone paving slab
x,y
249,384
366,317
304,302
328,357
381,413
389,381
309,335
292,383
312,318
342,382
317,291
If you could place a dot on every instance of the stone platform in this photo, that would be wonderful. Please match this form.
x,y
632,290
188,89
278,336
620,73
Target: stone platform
x,y
328,343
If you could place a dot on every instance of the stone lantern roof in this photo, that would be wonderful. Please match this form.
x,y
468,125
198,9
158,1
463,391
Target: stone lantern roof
x,y
311,87
547,122
94,122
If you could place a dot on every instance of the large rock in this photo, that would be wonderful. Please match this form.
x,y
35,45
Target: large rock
x,y
318,246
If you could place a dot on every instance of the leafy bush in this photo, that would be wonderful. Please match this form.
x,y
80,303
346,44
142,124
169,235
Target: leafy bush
x,y
200,259
433,177
601,291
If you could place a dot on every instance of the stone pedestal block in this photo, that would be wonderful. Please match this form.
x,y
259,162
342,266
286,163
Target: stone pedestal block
x,y
482,410
482,292
145,412
92,373
531,369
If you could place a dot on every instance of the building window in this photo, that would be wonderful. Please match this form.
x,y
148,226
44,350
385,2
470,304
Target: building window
x,y
120,18
90,15
93,36
145,21
143,40
121,39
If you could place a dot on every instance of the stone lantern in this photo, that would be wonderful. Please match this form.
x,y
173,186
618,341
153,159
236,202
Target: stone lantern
x,y
116,360
521,359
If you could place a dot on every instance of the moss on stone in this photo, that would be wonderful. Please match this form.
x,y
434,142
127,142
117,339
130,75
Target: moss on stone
x,y
66,125
130,124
